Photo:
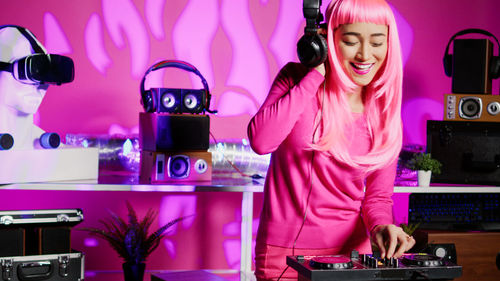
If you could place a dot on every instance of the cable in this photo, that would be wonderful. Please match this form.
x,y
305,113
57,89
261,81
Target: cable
x,y
306,207
254,176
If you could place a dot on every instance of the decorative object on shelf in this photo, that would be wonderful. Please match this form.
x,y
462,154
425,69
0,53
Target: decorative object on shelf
x,y
425,165
130,239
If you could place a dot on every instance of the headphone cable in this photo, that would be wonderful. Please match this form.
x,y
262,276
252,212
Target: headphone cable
x,y
306,208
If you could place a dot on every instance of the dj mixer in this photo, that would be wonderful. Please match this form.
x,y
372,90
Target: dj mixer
x,y
359,267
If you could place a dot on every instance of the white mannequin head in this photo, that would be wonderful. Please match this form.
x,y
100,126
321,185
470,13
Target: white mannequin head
x,y
21,99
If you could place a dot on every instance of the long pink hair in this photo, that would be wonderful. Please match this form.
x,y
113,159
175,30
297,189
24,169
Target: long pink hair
x,y
381,98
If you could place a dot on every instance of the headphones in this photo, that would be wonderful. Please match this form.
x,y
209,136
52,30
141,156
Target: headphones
x,y
494,62
175,100
312,48
40,67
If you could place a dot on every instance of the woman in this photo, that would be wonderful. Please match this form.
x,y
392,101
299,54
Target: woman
x,y
335,133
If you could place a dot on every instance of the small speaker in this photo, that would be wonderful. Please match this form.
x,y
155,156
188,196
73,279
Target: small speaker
x,y
12,242
471,65
173,132
54,240
465,107
169,99
444,251
6,141
165,167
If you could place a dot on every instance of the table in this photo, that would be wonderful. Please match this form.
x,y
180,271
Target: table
x,y
247,186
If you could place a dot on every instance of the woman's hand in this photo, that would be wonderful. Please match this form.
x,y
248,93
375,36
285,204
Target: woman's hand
x,y
321,69
391,240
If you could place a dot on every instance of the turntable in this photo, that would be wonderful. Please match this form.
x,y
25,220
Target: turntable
x,y
360,267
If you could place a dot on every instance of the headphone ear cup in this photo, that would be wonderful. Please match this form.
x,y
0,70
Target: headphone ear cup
x,y
148,101
495,67
312,50
447,64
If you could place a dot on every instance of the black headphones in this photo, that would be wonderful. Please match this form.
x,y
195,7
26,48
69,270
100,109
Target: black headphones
x,y
171,100
312,48
494,62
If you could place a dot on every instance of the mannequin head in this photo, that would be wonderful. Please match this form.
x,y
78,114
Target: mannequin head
x,y
15,96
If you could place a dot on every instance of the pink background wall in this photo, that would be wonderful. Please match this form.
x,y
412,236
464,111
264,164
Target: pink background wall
x,y
238,45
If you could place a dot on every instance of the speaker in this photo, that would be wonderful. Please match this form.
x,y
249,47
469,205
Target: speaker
x,y
12,241
472,65
312,48
166,167
169,100
54,240
465,107
444,251
469,151
6,141
173,132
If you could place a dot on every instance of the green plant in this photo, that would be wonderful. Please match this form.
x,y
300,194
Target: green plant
x,y
409,228
425,162
130,238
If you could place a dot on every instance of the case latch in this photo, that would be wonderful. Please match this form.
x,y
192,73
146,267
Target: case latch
x,y
62,218
7,268
63,265
6,220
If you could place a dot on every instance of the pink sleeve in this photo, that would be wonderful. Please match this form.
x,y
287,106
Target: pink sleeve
x,y
289,94
377,205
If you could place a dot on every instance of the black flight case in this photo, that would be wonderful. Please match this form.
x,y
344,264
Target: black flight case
x,y
36,245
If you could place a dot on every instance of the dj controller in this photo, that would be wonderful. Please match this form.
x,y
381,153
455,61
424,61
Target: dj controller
x,y
360,267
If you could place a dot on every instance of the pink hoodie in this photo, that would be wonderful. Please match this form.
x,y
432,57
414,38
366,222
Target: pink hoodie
x,y
340,212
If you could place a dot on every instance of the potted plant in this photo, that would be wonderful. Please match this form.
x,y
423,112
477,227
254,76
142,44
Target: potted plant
x,y
130,239
425,165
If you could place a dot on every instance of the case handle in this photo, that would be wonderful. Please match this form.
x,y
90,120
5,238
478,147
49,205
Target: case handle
x,y
33,271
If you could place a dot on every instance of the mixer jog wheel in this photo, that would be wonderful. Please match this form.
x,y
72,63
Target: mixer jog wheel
x,y
331,262
423,260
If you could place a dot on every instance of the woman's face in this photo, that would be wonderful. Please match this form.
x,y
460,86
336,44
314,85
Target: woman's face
x,y
361,49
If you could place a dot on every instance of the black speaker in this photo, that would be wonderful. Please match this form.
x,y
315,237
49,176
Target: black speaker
x,y
6,141
444,251
312,48
472,65
471,61
12,242
469,151
54,240
172,132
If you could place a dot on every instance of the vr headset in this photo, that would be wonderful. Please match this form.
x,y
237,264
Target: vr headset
x,y
39,68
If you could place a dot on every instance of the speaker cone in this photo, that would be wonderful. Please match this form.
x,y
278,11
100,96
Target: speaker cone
x,y
493,108
178,166
470,107
190,101
168,100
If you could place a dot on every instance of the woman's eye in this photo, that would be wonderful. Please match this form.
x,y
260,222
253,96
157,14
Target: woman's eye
x,y
377,44
349,43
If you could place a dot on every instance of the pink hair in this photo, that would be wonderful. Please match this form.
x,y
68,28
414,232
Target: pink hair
x,y
382,97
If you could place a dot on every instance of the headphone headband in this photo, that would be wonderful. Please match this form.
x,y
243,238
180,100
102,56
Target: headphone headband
x,y
312,14
469,31
177,64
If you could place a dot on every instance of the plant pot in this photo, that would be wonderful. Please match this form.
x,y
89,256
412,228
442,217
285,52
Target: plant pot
x,y
133,271
424,178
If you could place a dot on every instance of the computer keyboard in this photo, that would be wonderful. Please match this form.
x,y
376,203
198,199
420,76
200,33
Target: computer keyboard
x,y
455,211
